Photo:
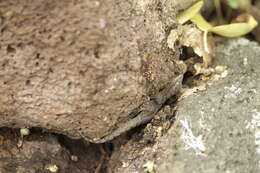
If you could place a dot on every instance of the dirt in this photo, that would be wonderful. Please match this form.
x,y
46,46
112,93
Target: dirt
x,y
39,150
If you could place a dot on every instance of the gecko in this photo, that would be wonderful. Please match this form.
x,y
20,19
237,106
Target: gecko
x,y
146,112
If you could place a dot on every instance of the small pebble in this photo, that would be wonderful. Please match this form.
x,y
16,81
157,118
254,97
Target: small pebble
x,y
74,158
52,168
24,131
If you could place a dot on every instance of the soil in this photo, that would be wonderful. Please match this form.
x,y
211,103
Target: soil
x,y
39,150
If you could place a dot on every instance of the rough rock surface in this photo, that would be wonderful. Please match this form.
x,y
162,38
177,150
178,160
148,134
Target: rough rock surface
x,y
83,67
216,130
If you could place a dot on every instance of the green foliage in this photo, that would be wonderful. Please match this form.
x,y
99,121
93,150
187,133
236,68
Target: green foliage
x,y
229,30
236,29
233,3
189,13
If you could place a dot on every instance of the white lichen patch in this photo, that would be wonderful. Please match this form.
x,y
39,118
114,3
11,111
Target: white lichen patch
x,y
234,90
190,140
203,123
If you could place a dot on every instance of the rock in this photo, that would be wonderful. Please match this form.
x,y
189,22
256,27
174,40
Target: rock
x,y
216,130
91,69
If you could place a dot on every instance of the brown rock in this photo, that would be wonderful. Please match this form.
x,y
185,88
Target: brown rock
x,y
85,68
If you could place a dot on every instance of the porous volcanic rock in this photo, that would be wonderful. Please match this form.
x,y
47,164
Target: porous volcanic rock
x,y
86,68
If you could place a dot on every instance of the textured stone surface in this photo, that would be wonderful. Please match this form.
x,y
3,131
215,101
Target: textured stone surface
x,y
216,130
85,68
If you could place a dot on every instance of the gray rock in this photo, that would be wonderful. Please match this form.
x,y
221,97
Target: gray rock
x,y
218,129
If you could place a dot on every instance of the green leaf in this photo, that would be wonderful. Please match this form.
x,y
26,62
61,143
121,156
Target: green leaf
x,y
235,29
201,23
229,30
233,3
189,13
